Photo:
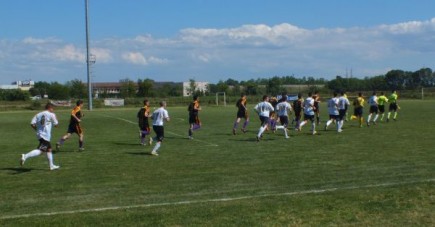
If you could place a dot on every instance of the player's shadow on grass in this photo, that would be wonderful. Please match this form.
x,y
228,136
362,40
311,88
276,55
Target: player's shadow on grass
x,y
13,171
139,153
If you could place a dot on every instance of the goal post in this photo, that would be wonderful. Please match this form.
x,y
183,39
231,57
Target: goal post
x,y
224,98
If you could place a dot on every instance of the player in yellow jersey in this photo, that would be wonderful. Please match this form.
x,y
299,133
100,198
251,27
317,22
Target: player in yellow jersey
x,y
393,105
143,121
242,112
358,105
194,122
74,127
382,99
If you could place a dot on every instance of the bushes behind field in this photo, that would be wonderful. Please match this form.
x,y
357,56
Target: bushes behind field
x,y
14,95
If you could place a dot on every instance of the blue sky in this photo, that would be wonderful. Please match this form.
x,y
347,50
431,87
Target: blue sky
x,y
211,40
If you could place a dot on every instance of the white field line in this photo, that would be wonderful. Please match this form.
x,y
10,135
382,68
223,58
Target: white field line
x,y
169,132
216,200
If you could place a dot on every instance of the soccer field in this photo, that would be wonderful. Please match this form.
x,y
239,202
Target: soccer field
x,y
382,175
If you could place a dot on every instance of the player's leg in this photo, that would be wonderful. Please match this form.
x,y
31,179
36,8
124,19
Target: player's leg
x,y
63,139
313,125
329,122
30,154
264,123
369,118
81,145
236,125
159,130
245,124
395,111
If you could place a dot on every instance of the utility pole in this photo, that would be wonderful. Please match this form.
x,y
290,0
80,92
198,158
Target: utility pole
x,y
88,57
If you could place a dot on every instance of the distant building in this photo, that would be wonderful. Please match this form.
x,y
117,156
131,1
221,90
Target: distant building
x,y
24,85
199,86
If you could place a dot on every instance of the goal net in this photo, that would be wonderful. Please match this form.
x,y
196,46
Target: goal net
x,y
221,99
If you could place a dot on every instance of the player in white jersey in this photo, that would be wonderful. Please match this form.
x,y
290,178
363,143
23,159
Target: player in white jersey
x,y
343,104
283,108
309,113
159,117
263,109
42,124
333,111
373,103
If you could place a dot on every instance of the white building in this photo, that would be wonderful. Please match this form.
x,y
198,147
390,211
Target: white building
x,y
22,85
199,86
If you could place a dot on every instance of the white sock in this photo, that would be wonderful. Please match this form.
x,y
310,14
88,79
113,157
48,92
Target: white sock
x,y
388,115
340,124
262,129
376,117
302,124
156,147
32,154
280,127
50,158
285,132
328,123
369,118
313,126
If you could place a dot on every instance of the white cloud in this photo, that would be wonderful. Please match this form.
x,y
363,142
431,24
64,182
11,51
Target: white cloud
x,y
139,59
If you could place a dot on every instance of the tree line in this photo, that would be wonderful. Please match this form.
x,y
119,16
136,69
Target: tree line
x,y
394,79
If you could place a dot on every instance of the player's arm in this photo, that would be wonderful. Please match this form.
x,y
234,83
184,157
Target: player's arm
x,y
33,123
55,121
73,114
166,116
256,109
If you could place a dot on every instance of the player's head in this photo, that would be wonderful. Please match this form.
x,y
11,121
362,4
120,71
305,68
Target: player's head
x,y
374,93
163,104
79,103
335,94
316,93
49,107
242,95
195,98
146,102
342,93
283,98
299,95
310,94
393,91
359,94
265,97
382,93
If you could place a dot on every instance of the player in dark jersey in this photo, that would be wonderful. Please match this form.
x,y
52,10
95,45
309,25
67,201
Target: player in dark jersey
x,y
316,98
297,107
273,117
194,122
143,121
74,126
242,112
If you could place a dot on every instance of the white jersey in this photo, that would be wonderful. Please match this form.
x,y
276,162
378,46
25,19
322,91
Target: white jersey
x,y
44,121
343,102
283,108
309,106
373,100
159,116
333,106
263,108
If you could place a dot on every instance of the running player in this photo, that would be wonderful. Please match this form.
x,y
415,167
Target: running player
x,y
316,98
381,104
393,105
297,107
194,122
358,105
263,109
283,108
143,121
373,102
159,117
343,105
242,112
309,113
74,127
333,111
272,118
42,124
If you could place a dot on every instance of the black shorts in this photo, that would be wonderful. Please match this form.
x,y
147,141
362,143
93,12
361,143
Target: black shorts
x,y
264,120
393,107
160,132
298,114
308,117
194,118
144,127
242,114
284,120
334,117
44,145
381,109
358,111
75,128
342,114
374,109
316,108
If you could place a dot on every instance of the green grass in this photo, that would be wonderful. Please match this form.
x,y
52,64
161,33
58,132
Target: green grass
x,y
382,175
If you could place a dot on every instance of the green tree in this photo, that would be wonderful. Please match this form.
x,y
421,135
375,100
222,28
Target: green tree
x,y
145,87
128,88
58,91
77,89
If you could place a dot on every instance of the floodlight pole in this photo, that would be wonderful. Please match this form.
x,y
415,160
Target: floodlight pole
x,y
88,55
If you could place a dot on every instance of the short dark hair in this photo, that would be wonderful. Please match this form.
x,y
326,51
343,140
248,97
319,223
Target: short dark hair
x,y
48,106
374,92
162,103
242,95
299,95
335,94
195,97
342,92
79,102
382,93
310,94
264,97
359,94
145,101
